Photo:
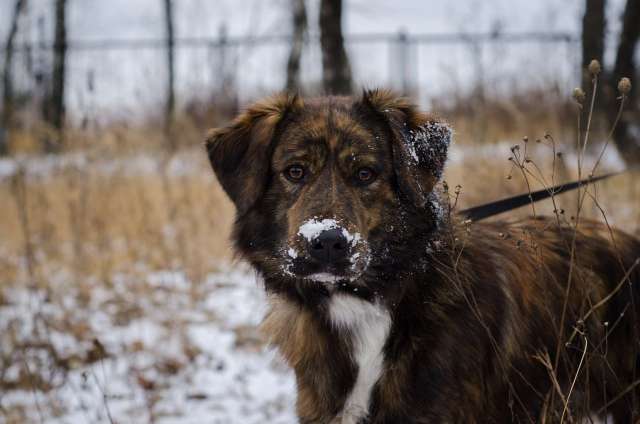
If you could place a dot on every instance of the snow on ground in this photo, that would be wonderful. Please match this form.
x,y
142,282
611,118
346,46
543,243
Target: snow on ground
x,y
155,348
179,164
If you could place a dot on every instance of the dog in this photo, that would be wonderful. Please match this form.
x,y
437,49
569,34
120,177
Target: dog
x,y
390,309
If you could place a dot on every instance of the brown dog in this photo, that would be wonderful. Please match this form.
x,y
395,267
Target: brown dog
x,y
389,310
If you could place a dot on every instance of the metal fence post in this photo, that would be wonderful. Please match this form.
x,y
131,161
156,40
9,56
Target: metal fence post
x,y
403,58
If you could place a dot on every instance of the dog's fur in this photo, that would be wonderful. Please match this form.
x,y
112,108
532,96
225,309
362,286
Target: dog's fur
x,y
434,320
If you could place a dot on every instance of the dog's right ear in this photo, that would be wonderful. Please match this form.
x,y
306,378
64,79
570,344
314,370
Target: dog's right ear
x,y
240,153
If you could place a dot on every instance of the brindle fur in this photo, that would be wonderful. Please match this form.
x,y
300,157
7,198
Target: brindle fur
x,y
476,309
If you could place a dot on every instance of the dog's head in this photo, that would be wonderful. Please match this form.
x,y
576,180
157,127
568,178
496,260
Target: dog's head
x,y
325,189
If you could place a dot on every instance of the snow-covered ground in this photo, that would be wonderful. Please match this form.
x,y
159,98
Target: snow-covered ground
x,y
146,349
147,163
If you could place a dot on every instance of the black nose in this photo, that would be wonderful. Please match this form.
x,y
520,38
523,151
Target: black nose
x,y
330,246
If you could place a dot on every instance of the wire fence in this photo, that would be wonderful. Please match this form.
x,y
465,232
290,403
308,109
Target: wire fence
x,y
125,75
225,41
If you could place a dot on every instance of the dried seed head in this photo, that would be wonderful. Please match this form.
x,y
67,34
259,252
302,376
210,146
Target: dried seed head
x,y
579,94
624,86
594,67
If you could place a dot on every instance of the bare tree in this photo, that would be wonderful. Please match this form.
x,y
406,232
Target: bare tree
x,y
7,81
628,141
170,105
593,28
54,107
299,16
336,71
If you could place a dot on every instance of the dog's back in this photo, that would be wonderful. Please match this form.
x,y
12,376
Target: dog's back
x,y
561,313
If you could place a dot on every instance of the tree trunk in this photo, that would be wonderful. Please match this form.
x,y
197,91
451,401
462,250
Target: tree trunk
x,y
336,72
299,16
593,27
626,133
170,105
7,81
55,112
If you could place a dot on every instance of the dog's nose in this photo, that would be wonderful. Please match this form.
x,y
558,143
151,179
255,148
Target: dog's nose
x,y
329,246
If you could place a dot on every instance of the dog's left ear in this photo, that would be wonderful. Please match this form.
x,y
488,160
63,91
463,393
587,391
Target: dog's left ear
x,y
419,143
240,153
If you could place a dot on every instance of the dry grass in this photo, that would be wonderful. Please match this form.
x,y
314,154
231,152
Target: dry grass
x,y
486,119
491,177
102,217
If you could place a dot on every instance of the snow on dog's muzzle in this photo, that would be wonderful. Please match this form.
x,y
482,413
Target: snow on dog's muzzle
x,y
327,252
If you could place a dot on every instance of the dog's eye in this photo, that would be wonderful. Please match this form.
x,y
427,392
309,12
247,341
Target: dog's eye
x,y
365,175
294,173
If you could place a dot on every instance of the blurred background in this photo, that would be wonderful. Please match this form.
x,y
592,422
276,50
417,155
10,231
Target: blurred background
x,y
120,299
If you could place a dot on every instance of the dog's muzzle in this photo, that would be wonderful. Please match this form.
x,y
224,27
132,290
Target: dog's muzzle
x,y
325,251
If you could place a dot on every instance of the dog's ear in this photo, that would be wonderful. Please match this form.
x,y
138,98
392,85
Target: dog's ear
x,y
419,143
240,153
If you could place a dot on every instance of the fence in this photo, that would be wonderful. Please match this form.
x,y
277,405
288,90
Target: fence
x,y
124,76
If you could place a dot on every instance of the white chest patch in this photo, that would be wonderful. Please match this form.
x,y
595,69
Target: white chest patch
x,y
369,325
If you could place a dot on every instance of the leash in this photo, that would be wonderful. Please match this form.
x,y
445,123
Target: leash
x,y
487,210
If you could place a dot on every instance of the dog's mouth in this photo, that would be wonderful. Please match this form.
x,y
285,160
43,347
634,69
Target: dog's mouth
x,y
325,277
310,270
